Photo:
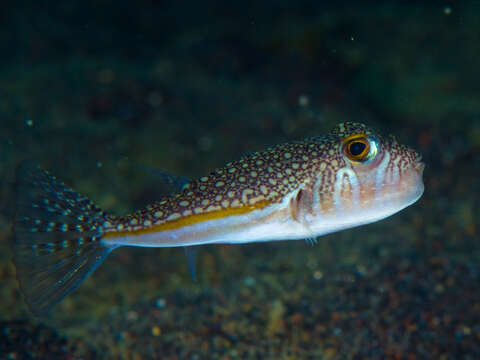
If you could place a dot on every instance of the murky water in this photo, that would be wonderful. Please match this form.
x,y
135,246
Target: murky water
x,y
102,95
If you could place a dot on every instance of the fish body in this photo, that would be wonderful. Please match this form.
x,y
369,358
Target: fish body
x,y
298,190
290,191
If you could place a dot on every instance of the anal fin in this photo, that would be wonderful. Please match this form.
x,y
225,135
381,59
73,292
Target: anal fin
x,y
191,254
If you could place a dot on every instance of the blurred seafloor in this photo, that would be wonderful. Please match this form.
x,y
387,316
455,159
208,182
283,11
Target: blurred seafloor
x,y
95,92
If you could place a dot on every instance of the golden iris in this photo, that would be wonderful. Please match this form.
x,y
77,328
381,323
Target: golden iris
x,y
359,148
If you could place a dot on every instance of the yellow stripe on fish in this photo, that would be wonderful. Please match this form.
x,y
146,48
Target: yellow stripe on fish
x,y
185,220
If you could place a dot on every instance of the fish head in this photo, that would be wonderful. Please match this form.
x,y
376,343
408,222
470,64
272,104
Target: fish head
x,y
372,176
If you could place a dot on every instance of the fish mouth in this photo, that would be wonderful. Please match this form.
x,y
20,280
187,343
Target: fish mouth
x,y
419,167
418,164
411,186
417,181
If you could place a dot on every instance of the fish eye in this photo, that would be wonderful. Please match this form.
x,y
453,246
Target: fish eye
x,y
359,148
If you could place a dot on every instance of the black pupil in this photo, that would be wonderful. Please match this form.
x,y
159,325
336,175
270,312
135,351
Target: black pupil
x,y
357,147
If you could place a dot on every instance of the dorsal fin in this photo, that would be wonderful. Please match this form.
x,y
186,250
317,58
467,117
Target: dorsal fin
x,y
178,182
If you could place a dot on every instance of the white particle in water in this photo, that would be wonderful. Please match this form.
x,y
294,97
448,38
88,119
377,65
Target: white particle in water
x,y
160,303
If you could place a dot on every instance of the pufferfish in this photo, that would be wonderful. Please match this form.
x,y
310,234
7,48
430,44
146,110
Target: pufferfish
x,y
297,190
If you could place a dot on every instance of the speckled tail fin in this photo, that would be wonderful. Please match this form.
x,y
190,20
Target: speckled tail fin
x,y
57,238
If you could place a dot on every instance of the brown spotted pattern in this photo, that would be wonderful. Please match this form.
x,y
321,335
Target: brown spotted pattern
x,y
266,176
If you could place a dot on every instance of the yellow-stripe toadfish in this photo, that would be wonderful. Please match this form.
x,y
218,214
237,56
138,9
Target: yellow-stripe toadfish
x,y
297,190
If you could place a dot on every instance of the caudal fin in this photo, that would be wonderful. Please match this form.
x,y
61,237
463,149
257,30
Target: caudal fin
x,y
57,238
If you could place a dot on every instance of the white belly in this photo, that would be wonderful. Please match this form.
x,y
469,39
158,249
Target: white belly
x,y
271,223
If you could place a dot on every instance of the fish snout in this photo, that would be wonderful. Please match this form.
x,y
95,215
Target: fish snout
x,y
419,166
